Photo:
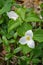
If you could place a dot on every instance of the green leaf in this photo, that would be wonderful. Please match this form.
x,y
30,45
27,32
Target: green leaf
x,y
5,41
38,35
24,58
35,60
23,28
31,16
14,24
9,35
6,7
21,12
1,21
41,9
7,48
22,62
11,41
42,13
15,35
17,50
41,5
6,44
8,56
2,3
25,49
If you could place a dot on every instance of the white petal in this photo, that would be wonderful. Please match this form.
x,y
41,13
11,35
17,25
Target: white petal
x,y
31,43
22,40
40,17
29,33
12,15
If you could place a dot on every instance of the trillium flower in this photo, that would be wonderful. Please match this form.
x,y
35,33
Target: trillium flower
x,y
12,15
27,39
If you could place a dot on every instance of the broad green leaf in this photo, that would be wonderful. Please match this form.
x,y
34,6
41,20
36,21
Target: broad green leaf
x,y
11,41
14,24
35,60
5,33
26,59
25,49
23,28
17,50
32,17
21,12
1,21
5,41
2,2
38,35
6,7
10,35
35,54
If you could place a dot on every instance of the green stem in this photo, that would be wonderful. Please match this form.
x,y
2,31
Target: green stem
x,y
7,62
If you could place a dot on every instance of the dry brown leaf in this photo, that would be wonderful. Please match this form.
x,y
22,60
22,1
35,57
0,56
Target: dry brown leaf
x,y
30,3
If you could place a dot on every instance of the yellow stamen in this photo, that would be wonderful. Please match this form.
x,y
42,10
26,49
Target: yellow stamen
x,y
27,38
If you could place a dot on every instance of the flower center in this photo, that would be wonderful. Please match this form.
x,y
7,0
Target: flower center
x,y
27,38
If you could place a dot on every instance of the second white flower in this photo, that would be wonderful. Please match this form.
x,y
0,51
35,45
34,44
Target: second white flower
x,y
27,39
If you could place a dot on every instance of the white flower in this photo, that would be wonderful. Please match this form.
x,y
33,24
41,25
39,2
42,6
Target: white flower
x,y
27,39
12,15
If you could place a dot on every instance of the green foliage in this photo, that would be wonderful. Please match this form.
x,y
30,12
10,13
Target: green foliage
x,y
6,44
1,21
17,50
6,7
25,49
21,12
5,41
42,13
23,28
14,24
35,61
38,35
32,16
11,31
